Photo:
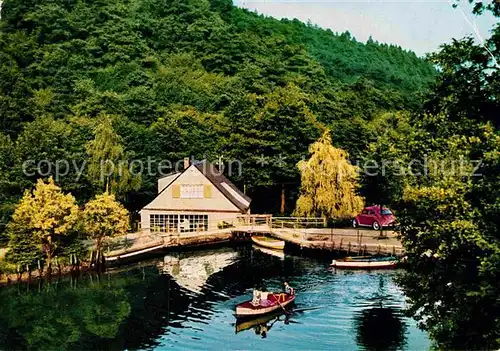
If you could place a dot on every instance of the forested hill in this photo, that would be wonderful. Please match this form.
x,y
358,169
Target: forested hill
x,y
186,77
342,57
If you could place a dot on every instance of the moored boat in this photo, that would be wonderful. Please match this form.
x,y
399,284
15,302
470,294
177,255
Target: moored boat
x,y
366,262
268,242
269,302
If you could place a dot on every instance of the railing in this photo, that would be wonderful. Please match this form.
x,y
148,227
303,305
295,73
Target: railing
x,y
298,222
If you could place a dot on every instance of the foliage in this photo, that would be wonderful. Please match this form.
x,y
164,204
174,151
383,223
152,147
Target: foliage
x,y
185,78
448,210
40,222
77,315
108,164
104,217
441,232
329,183
385,164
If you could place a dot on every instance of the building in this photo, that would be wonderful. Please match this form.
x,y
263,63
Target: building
x,y
200,198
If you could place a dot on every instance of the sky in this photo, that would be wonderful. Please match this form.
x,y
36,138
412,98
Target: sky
x,y
418,25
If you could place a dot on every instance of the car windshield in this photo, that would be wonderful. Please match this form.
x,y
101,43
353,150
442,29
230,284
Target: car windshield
x,y
386,212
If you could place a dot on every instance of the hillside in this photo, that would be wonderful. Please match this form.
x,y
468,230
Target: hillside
x,y
187,77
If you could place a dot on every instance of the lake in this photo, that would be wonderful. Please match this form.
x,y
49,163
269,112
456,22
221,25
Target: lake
x,y
186,301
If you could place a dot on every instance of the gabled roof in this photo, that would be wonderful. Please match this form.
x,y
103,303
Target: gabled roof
x,y
170,178
224,185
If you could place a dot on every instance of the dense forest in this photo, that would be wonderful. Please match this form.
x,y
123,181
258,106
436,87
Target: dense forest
x,y
166,79
183,78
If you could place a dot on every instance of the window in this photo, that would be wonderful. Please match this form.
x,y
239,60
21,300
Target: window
x,y
192,191
386,212
173,223
163,223
193,223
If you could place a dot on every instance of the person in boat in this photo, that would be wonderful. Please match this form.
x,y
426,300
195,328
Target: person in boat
x,y
288,289
256,298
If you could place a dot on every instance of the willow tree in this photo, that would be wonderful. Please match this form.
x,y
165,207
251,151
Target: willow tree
x,y
109,169
328,183
45,216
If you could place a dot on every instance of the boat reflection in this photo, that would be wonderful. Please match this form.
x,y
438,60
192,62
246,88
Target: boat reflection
x,y
261,325
276,253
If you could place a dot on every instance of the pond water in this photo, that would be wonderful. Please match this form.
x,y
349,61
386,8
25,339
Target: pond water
x,y
186,301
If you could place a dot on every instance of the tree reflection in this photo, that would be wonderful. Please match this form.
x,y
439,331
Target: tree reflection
x,y
380,328
59,316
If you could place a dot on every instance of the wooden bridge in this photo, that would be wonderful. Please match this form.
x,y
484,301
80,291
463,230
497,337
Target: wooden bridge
x,y
305,233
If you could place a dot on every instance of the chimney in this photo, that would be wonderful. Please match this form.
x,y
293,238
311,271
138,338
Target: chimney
x,y
186,162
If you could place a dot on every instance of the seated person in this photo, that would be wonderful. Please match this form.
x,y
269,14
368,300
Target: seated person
x,y
288,289
256,298
264,299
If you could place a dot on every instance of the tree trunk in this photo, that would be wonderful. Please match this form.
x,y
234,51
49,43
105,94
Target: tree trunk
x,y
282,207
49,263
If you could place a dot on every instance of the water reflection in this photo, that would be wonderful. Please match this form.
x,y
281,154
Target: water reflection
x,y
192,270
186,301
56,316
380,326
276,253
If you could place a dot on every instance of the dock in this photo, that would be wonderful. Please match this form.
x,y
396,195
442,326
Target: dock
x,y
302,233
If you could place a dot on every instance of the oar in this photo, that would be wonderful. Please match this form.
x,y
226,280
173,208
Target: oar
x,y
307,309
279,303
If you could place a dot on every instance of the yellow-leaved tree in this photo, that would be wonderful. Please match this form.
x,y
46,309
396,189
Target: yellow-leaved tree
x,y
46,215
104,217
329,183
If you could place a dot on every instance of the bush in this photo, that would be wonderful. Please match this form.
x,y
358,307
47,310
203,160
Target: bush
x,y
224,225
7,267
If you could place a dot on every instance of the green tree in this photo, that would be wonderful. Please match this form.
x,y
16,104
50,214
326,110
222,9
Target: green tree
x,y
453,260
328,183
104,217
108,167
46,215
388,155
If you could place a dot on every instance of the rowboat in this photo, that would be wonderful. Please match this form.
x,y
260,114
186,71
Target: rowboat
x,y
270,243
269,302
366,262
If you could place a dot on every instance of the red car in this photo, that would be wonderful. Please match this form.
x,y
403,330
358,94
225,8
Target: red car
x,y
373,217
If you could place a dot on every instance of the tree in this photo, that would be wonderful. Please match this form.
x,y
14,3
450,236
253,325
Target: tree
x,y
104,217
109,168
328,183
384,184
452,276
46,216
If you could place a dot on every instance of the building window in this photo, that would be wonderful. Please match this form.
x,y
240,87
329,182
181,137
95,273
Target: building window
x,y
172,223
193,223
192,191
164,223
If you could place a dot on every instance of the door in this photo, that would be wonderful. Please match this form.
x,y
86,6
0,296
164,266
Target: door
x,y
371,217
363,218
